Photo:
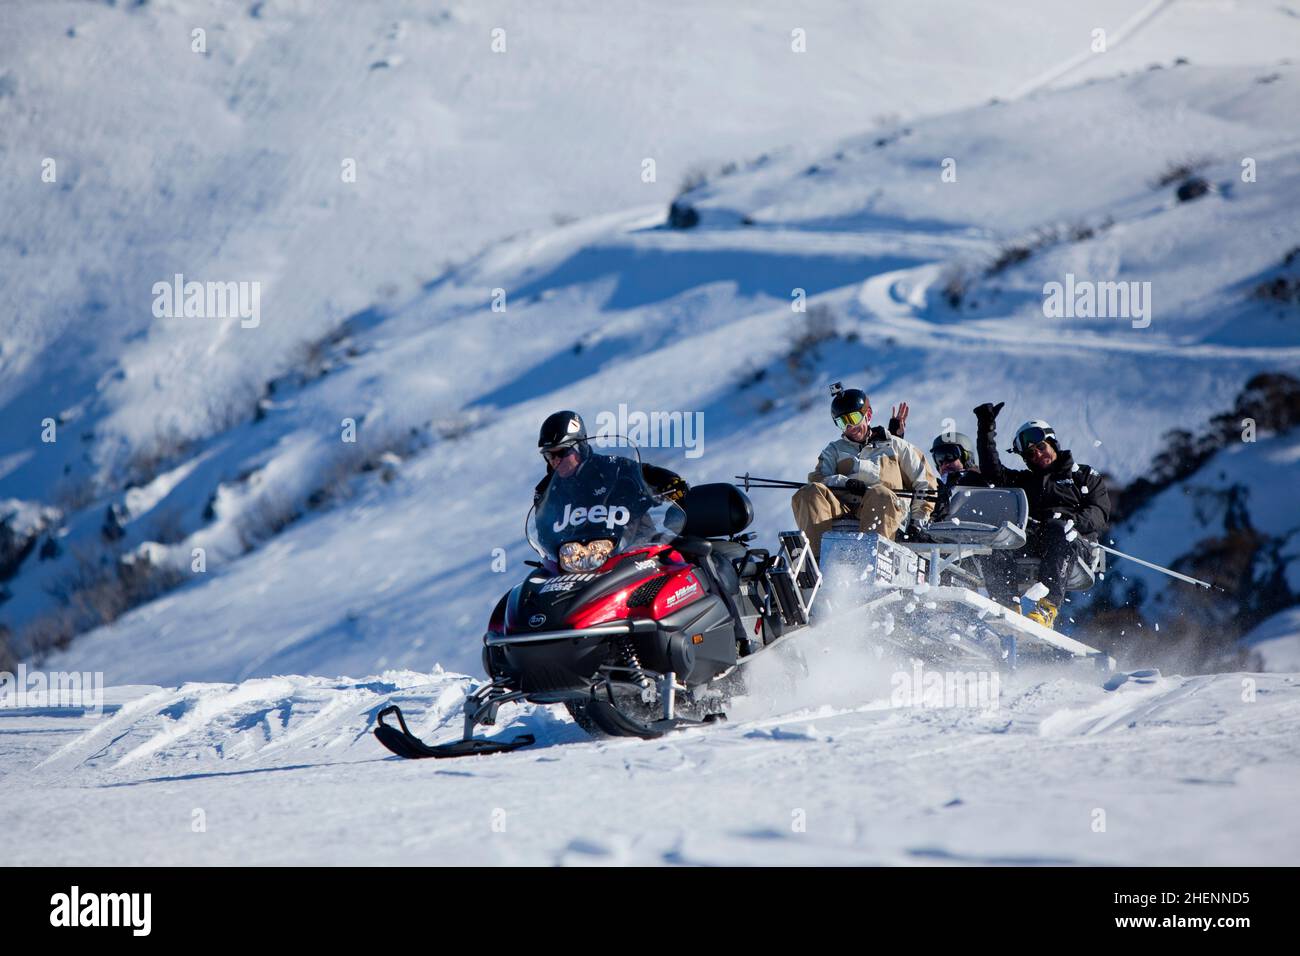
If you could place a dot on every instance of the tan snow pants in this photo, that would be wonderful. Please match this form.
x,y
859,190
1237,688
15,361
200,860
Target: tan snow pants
x,y
816,507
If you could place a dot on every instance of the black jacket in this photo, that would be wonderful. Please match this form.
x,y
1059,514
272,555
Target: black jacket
x,y
970,477
661,481
1057,491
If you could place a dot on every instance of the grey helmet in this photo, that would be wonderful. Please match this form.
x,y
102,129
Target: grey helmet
x,y
950,440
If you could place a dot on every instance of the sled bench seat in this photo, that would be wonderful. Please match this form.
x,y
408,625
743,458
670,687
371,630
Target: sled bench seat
x,y
988,517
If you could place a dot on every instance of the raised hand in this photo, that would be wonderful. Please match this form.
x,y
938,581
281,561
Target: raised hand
x,y
987,413
898,419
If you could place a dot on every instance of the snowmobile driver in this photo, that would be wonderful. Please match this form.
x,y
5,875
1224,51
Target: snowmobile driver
x,y
1067,502
563,443
858,473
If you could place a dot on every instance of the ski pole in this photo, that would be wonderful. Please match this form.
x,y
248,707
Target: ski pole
x,y
754,482
1155,567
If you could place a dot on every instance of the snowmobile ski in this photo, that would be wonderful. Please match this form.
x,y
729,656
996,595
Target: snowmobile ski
x,y
406,744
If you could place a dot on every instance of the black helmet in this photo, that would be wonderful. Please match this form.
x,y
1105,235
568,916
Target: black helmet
x,y
562,429
953,444
845,403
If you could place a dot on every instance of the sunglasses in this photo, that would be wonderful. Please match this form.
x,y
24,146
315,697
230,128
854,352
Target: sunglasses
x,y
944,455
554,455
852,418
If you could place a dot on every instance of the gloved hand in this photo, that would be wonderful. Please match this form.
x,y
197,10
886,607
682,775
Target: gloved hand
x,y
987,413
1067,521
917,532
855,487
675,489
898,420
836,481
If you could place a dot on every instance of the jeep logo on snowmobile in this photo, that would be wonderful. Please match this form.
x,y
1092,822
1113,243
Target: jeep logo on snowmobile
x,y
611,517
537,620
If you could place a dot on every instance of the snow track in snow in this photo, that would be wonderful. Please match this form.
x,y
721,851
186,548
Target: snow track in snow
x,y
1113,38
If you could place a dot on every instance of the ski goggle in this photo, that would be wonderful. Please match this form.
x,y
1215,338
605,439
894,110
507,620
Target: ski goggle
x,y
849,420
946,453
554,455
1029,439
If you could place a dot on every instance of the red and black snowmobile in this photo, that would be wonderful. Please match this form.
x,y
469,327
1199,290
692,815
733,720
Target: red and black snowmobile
x,y
640,613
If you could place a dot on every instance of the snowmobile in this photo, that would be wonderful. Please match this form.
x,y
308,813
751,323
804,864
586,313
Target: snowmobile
x,y
640,615
922,598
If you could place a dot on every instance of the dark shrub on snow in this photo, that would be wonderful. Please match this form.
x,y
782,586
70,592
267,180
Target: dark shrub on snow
x,y
682,216
1193,188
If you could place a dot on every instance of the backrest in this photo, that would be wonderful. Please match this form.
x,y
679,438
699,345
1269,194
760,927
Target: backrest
x,y
716,510
995,517
988,506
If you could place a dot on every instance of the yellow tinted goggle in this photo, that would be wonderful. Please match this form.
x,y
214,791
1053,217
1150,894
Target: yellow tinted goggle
x,y
849,420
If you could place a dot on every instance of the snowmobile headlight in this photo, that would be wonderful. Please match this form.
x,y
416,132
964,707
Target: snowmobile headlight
x,y
589,556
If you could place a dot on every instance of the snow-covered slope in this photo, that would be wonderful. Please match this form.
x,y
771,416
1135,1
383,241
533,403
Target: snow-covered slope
x,y
224,158
1177,771
619,310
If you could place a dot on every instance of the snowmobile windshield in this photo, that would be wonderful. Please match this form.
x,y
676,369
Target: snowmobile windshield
x,y
601,510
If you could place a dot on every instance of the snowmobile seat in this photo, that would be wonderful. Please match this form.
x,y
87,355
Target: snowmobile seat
x,y
989,517
733,551
717,510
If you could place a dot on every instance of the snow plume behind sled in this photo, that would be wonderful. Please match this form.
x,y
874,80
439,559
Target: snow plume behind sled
x,y
826,669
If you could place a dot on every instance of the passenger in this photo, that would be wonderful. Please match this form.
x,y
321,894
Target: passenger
x,y
858,474
954,457
1068,505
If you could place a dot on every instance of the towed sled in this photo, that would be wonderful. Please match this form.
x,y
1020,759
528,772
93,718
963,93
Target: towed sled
x,y
640,616
923,600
